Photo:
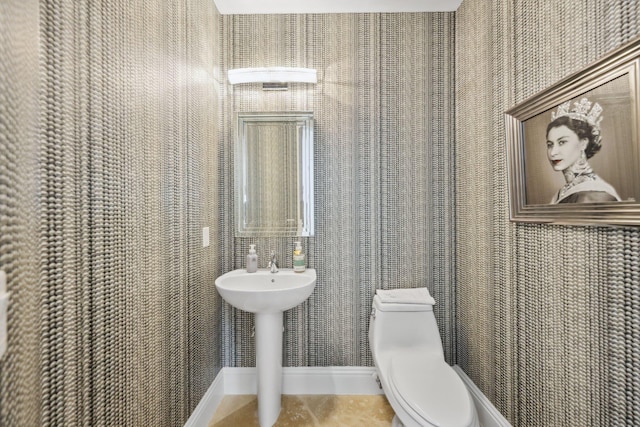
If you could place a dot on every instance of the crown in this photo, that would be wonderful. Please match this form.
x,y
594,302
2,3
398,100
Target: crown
x,y
581,111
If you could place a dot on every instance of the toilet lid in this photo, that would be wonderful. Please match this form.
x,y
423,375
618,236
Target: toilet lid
x,y
432,389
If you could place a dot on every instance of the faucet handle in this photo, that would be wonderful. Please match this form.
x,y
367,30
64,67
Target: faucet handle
x,y
273,263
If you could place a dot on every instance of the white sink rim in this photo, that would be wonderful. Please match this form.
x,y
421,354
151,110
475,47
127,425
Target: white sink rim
x,y
266,292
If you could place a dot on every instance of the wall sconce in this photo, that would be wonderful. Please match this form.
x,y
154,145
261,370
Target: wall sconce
x,y
273,78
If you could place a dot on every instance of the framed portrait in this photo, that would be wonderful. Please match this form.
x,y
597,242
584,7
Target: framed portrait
x,y
573,149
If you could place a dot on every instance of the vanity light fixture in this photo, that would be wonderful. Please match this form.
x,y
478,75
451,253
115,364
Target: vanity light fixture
x,y
273,77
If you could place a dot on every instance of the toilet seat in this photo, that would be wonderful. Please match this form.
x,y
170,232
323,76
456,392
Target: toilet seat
x,y
425,386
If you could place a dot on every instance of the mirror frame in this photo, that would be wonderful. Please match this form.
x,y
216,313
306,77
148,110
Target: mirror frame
x,y
305,218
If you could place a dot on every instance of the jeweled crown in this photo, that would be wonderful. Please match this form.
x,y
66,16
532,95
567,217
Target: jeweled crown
x,y
582,111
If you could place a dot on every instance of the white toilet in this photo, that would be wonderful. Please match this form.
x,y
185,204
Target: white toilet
x,y
421,387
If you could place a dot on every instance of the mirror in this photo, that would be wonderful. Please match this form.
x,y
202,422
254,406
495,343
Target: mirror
x,y
274,174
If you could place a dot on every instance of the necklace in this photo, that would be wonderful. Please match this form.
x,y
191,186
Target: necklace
x,y
576,181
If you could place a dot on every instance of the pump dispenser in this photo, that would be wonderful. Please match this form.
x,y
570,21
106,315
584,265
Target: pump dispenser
x,y
298,259
252,260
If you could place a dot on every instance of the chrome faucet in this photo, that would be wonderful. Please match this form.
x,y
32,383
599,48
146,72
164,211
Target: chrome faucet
x,y
273,264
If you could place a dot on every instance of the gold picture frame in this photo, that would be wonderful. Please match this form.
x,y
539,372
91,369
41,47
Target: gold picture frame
x,y
601,188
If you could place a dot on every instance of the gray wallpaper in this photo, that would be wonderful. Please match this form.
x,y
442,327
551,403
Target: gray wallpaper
x,y
383,170
109,160
20,370
547,315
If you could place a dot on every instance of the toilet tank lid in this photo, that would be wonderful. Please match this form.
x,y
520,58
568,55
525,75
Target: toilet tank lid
x,y
378,304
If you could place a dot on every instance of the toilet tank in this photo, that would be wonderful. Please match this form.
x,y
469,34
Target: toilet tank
x,y
396,326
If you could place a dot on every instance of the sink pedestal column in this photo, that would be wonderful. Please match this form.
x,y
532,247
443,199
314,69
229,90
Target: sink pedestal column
x,y
269,366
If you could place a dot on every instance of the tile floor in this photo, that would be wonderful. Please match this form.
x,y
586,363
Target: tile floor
x,y
307,410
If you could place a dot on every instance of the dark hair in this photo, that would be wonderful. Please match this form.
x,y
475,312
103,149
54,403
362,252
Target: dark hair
x,y
583,130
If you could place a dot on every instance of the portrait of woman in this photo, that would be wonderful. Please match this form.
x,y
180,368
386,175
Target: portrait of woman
x,y
573,149
573,136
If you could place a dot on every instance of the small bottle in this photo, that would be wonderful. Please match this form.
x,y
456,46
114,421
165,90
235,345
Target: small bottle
x,y
298,259
252,260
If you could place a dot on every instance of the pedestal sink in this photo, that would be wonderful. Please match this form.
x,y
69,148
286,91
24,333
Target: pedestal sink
x,y
267,295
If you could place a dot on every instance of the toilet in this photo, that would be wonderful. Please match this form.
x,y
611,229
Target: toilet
x,y
421,387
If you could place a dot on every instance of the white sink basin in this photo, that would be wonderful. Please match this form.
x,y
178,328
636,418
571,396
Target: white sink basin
x,y
266,292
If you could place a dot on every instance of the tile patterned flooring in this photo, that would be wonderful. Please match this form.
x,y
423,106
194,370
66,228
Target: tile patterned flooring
x,y
308,410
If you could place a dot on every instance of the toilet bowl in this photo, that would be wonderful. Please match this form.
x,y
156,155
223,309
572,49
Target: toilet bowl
x,y
421,387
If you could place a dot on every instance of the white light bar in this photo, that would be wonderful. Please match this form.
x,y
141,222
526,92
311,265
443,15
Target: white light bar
x,y
272,75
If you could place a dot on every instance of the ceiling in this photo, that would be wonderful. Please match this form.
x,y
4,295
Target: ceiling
x,y
230,7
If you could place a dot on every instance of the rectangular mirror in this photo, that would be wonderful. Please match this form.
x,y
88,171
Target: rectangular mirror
x,y
274,174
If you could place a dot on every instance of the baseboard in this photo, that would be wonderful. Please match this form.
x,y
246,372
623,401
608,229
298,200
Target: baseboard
x,y
338,380
488,415
207,406
308,380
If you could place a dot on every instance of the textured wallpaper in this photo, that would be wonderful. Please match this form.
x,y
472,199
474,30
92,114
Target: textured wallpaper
x,y
109,164
20,373
383,171
547,315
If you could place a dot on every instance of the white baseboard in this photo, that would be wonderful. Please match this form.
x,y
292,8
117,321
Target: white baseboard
x,y
338,380
307,380
207,406
488,415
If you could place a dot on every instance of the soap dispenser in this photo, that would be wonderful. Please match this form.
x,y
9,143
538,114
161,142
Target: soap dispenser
x,y
252,260
298,259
